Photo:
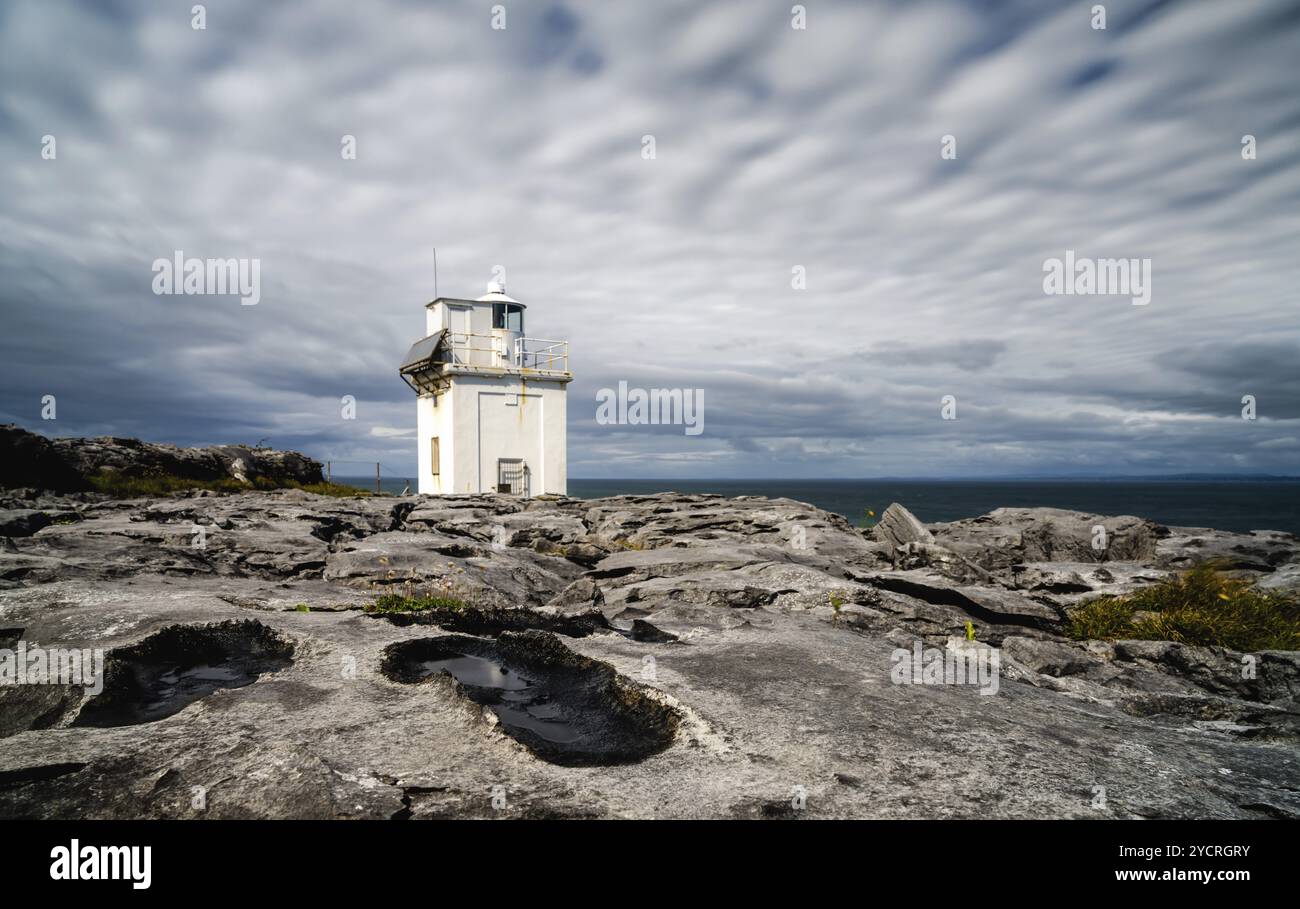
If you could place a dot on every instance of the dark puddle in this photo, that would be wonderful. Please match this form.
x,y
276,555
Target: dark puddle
x,y
565,708
180,664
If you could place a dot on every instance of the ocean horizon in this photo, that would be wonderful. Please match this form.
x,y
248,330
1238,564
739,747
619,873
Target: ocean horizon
x,y
1238,504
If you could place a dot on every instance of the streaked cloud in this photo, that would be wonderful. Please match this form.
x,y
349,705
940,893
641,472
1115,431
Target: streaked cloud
x,y
775,148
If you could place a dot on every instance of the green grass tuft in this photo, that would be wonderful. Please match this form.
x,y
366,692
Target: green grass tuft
x,y
393,602
114,484
337,490
1202,607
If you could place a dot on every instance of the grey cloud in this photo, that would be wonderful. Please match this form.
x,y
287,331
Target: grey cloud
x,y
973,355
776,148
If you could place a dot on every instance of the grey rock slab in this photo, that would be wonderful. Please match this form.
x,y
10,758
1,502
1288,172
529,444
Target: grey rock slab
x,y
1006,536
1285,580
786,622
1074,582
1260,551
417,563
898,527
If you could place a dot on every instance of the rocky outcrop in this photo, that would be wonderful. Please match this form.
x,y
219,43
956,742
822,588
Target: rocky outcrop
x,y
65,465
33,461
899,527
1010,536
726,650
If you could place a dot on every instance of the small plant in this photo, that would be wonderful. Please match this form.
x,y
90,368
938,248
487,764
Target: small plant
x,y
115,484
970,631
336,490
868,519
836,599
394,602
302,607
1201,607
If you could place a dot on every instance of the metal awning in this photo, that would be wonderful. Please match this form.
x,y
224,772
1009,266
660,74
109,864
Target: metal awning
x,y
422,351
418,367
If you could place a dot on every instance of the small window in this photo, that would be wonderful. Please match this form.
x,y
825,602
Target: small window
x,y
509,316
435,456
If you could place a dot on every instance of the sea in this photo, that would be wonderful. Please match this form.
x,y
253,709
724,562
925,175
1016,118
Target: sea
x,y
1222,503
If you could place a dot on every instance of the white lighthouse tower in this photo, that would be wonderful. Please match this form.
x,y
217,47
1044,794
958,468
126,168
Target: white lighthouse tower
x,y
491,405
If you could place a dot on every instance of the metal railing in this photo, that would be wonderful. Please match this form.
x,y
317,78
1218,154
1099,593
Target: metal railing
x,y
542,354
461,348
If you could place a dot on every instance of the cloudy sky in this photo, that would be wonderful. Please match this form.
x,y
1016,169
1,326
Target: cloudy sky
x,y
775,148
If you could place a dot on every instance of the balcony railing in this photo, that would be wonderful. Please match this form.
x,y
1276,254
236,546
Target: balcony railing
x,y
542,354
461,348
469,349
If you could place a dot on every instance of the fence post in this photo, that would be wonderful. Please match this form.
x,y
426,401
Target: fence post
x,y
329,471
376,478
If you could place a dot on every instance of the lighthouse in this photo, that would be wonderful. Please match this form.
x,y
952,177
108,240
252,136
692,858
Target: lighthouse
x,y
490,405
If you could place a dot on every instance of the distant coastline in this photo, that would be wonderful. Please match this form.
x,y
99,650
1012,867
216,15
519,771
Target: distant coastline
x,y
999,478
1236,503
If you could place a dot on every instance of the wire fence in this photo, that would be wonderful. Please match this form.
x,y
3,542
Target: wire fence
x,y
373,476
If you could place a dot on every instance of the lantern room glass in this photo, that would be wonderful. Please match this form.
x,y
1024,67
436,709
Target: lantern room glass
x,y
509,316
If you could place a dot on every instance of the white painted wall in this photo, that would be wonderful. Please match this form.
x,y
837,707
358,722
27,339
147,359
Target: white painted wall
x,y
426,425
475,426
